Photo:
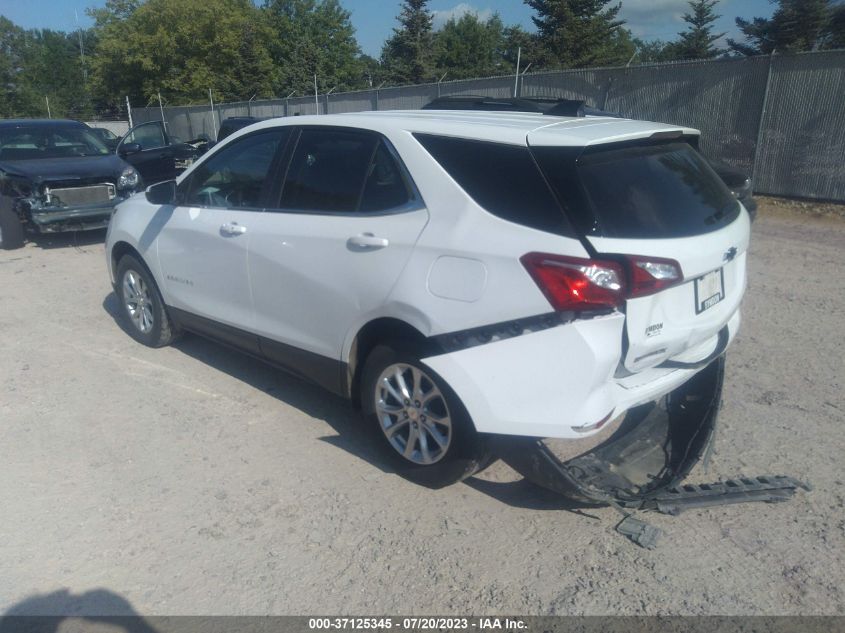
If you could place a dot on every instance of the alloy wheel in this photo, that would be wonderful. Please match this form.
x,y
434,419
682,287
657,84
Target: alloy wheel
x,y
413,414
138,301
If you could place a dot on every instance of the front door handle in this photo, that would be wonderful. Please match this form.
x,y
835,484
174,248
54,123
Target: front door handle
x,y
231,229
367,241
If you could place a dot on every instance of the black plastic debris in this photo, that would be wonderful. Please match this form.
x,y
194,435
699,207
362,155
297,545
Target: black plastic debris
x,y
639,532
643,464
767,489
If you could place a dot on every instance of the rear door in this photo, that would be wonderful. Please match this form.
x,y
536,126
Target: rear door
x,y
342,230
658,207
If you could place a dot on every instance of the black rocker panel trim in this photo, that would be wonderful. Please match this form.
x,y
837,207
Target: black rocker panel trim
x,y
315,368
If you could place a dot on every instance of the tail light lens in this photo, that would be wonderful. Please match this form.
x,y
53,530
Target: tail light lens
x,y
570,283
574,284
650,275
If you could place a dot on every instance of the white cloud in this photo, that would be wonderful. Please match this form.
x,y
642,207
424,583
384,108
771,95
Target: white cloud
x,y
664,19
654,19
458,11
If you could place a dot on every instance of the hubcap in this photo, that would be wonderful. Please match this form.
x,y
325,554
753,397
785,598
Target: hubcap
x,y
138,302
413,414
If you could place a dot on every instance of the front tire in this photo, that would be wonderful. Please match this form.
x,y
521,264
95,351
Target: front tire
x,y
417,421
11,229
141,306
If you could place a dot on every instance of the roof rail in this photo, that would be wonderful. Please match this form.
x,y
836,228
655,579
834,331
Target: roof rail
x,y
539,105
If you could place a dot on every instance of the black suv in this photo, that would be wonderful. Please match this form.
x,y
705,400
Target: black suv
x,y
57,175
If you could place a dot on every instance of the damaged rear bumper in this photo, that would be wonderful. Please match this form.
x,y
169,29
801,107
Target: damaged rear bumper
x,y
560,382
653,449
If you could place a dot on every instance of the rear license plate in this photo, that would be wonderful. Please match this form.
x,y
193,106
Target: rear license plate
x,y
709,290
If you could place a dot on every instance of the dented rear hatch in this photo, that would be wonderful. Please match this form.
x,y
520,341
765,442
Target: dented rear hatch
x,y
656,206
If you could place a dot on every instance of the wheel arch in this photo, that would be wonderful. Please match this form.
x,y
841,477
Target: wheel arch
x,y
371,334
119,250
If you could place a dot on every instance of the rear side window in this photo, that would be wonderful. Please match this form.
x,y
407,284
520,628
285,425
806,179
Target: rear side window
x,y
652,191
503,179
344,171
385,187
328,170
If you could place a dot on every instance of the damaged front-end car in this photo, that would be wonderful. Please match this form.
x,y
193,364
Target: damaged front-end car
x,y
56,176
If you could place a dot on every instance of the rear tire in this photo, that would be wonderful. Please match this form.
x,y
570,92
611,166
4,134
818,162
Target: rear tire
x,y
141,306
11,229
418,423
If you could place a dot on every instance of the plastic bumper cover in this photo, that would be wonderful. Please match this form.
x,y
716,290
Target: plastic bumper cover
x,y
559,382
81,218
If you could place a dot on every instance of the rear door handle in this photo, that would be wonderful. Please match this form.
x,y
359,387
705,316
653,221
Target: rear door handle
x,y
232,229
367,241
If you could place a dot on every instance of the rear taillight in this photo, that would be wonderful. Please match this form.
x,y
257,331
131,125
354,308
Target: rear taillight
x,y
570,283
575,284
650,275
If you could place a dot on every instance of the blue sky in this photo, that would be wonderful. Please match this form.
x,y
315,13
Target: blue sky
x,y
374,19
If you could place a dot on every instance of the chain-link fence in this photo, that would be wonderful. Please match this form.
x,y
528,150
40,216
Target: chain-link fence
x,y
782,118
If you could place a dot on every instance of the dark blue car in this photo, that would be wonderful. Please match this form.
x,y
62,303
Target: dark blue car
x,y
57,175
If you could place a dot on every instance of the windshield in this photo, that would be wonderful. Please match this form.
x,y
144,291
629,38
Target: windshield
x,y
31,143
645,191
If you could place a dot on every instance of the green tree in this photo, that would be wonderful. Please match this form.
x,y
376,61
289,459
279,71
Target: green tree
x,y
408,55
12,95
373,72
796,25
52,67
469,47
698,41
113,11
653,51
182,48
35,64
314,37
835,32
517,38
580,33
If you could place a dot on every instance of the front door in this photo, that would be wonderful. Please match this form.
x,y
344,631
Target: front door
x,y
203,245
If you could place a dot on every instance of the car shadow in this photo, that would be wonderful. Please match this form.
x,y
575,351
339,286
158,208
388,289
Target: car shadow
x,y
70,239
45,613
528,496
312,400
351,435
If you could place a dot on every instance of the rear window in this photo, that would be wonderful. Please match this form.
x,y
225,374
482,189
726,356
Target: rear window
x,y
503,179
653,191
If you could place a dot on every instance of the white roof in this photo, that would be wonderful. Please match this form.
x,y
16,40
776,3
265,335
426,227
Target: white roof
x,y
515,128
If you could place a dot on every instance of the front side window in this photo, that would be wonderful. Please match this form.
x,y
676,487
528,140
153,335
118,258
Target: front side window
x,y
148,136
236,176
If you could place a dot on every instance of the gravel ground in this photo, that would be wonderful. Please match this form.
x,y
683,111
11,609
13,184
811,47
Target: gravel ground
x,y
193,480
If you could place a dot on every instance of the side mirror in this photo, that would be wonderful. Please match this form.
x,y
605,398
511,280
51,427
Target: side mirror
x,y
129,148
162,192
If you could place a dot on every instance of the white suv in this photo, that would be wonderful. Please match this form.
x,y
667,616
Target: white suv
x,y
458,275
